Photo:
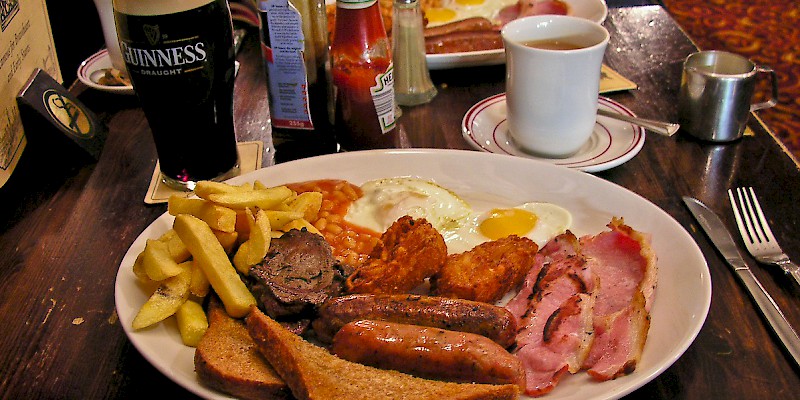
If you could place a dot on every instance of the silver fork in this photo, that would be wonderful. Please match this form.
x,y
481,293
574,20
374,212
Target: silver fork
x,y
756,233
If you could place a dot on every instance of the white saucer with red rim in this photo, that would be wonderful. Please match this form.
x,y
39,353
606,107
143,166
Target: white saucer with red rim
x,y
612,142
92,68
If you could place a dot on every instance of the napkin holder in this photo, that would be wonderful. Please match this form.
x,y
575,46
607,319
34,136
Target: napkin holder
x,y
54,118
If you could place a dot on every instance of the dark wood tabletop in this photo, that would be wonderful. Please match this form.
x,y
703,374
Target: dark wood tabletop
x,y
67,223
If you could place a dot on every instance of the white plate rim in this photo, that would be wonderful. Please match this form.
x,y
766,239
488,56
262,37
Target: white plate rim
x,y
93,63
683,295
497,56
588,159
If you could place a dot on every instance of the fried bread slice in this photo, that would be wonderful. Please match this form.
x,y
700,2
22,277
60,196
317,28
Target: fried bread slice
x,y
227,359
313,373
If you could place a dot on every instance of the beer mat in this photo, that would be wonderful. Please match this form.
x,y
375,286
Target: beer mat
x,y
613,81
249,160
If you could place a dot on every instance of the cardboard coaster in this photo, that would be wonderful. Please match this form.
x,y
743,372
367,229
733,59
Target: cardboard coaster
x,y
612,81
249,160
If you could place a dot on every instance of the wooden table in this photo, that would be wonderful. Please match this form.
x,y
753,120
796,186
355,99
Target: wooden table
x,y
66,226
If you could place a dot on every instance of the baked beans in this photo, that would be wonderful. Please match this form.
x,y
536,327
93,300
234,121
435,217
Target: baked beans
x,y
350,243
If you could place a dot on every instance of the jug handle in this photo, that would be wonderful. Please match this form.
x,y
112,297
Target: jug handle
x,y
774,99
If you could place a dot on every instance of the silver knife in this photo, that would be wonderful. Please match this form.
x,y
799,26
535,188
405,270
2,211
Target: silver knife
x,y
722,239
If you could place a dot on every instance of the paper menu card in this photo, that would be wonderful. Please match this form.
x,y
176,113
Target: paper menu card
x,y
26,43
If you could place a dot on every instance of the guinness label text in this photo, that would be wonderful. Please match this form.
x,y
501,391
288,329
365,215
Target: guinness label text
x,y
166,61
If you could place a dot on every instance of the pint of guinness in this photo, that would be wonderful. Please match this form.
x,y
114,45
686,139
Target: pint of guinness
x,y
180,57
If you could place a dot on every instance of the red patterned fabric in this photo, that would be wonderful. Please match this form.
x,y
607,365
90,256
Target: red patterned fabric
x,y
765,31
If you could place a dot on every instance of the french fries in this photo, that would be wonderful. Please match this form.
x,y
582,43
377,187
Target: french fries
x,y
205,188
261,198
157,262
308,203
209,255
218,217
192,322
166,300
199,286
255,248
215,238
279,219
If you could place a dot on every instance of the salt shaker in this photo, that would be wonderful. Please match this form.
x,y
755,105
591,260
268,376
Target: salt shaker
x,y
412,84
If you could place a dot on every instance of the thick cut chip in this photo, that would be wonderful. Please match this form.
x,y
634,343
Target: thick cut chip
x,y
199,286
308,203
277,219
255,248
138,269
216,216
205,188
192,322
166,300
157,262
228,240
209,255
262,198
177,250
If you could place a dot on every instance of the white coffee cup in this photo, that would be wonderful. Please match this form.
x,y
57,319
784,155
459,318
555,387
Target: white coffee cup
x,y
551,92
106,12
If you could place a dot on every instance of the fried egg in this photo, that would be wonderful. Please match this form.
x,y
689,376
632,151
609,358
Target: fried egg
x,y
456,10
386,200
539,222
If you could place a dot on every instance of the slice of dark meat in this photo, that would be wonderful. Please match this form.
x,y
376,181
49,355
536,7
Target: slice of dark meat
x,y
298,274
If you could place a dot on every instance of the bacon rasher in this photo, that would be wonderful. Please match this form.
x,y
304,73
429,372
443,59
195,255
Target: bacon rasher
x,y
585,305
626,267
554,311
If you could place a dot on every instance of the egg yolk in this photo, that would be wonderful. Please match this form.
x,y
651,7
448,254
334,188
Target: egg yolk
x,y
504,222
469,2
439,15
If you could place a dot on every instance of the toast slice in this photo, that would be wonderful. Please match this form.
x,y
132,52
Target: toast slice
x,y
313,373
227,359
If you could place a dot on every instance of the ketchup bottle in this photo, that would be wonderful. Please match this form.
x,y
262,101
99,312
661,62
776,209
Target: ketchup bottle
x,y
362,71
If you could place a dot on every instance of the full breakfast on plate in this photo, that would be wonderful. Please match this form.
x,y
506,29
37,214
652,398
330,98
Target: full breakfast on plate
x,y
455,26
396,288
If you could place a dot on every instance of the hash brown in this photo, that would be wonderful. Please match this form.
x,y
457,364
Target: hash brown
x,y
487,272
410,251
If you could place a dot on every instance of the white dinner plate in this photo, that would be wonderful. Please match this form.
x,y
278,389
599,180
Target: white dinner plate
x,y
97,62
612,143
594,10
683,294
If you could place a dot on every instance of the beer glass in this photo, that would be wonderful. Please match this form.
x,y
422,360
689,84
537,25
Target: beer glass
x,y
180,57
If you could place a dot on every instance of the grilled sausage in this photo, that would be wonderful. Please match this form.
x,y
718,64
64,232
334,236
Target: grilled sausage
x,y
427,352
464,25
463,41
496,323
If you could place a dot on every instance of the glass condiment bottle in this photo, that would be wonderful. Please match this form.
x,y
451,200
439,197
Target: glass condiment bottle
x,y
412,82
294,42
363,80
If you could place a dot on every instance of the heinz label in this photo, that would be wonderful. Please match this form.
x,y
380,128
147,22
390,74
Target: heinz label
x,y
383,97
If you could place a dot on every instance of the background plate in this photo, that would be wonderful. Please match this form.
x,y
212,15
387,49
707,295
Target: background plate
x,y
594,10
